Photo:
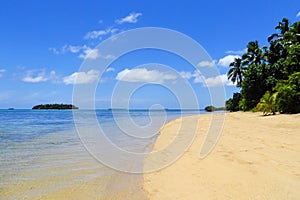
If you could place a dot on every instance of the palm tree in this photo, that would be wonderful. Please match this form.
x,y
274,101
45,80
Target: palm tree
x,y
267,103
235,74
292,36
254,54
283,27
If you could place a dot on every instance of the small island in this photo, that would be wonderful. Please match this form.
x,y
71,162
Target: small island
x,y
54,107
212,108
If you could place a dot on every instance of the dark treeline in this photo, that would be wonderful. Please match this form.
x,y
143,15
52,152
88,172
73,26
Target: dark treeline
x,y
212,108
269,76
55,106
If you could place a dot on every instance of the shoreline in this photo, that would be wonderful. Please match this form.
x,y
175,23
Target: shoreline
x,y
255,157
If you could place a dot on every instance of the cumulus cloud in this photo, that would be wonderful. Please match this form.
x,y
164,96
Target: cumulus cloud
x,y
144,75
131,18
196,75
225,62
91,54
207,63
98,33
81,77
298,14
37,76
155,76
2,71
186,75
207,82
217,81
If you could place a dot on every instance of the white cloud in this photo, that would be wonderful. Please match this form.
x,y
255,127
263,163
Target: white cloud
x,y
91,54
144,75
197,77
2,71
238,52
186,75
81,77
84,52
207,63
217,81
110,69
72,49
68,48
37,76
225,62
209,82
131,18
98,33
298,14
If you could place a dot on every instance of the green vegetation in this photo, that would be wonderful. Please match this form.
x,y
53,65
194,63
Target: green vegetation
x,y
288,94
55,106
233,103
267,103
269,76
212,108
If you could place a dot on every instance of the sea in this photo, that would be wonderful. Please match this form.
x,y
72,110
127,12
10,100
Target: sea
x,y
43,155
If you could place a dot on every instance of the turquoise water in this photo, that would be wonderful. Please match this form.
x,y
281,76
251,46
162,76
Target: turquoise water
x,y
37,146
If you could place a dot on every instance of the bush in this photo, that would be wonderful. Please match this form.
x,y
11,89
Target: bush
x,y
232,104
267,103
288,98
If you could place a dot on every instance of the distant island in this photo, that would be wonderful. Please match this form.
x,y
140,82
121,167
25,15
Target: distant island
x,y
54,107
212,108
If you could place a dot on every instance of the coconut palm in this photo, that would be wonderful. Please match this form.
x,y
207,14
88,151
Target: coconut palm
x,y
235,73
283,27
267,103
254,54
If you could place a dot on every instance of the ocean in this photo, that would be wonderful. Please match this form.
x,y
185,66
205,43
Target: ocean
x,y
43,156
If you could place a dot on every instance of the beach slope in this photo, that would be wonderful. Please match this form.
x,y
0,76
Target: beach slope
x,y
256,157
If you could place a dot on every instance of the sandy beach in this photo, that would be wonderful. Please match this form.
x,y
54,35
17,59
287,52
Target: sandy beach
x,y
255,157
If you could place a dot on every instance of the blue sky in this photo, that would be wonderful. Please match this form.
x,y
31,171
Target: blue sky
x,y
43,45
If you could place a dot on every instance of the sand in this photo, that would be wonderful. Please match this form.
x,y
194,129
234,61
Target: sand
x,y
255,157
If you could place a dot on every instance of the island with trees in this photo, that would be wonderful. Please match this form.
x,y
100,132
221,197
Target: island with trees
x,y
54,107
213,108
269,76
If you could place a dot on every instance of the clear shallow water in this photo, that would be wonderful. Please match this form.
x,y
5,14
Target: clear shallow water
x,y
41,153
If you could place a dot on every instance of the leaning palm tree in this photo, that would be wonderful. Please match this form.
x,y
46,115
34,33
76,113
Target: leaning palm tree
x,y
235,74
267,103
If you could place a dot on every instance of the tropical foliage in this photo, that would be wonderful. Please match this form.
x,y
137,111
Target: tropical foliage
x,y
265,71
288,98
235,74
267,103
232,104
